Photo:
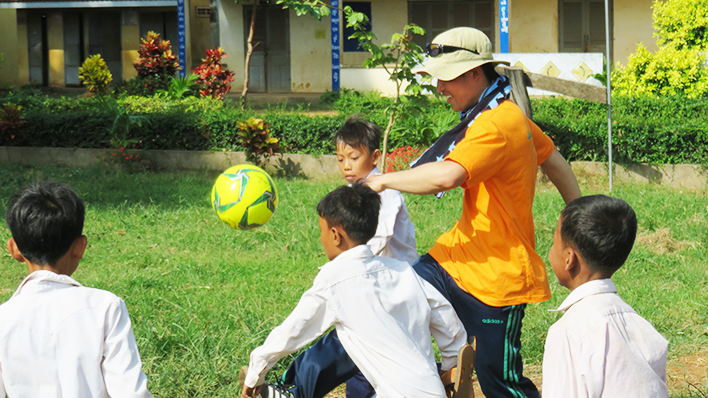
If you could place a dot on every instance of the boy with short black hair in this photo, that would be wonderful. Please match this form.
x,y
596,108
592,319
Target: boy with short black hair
x,y
57,337
600,347
358,153
383,312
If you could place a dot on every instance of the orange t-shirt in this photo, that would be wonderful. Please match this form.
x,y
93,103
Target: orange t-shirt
x,y
490,252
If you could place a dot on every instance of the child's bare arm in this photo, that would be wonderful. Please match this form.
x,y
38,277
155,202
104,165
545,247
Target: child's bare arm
x,y
250,392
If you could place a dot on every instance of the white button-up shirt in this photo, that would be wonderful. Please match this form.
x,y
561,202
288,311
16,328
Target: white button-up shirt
x,y
384,314
61,339
395,234
602,348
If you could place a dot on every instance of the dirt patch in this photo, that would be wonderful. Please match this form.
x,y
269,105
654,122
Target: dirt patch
x,y
687,374
661,241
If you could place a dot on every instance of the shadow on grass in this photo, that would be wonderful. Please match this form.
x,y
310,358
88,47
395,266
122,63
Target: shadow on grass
x,y
106,188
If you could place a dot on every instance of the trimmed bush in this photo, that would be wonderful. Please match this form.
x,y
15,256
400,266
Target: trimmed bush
x,y
671,130
652,130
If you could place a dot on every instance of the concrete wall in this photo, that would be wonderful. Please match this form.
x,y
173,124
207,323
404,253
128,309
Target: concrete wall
x,y
533,26
22,48
632,25
130,44
388,17
8,47
310,54
197,34
232,39
325,166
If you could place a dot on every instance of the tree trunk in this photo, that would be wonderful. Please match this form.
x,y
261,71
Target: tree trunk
x,y
391,122
246,74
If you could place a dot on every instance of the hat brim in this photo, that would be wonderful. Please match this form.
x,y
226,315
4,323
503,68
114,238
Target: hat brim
x,y
442,69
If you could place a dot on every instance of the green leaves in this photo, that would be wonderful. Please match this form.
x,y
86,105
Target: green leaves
x,y
678,67
94,74
397,58
155,57
681,23
213,76
179,86
256,139
315,8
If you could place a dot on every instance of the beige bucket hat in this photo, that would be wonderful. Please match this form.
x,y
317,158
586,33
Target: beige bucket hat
x,y
474,49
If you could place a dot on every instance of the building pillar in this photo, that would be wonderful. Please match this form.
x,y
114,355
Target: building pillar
x,y
55,44
130,42
9,47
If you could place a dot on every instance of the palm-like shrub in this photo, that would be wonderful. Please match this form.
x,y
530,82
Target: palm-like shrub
x,y
94,74
155,57
213,76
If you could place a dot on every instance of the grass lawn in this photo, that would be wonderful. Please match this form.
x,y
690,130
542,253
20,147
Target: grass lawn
x,y
201,295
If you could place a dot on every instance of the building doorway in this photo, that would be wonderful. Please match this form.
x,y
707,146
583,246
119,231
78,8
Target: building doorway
x,y
582,25
269,69
38,53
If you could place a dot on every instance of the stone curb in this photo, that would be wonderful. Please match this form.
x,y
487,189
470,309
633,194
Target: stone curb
x,y
680,176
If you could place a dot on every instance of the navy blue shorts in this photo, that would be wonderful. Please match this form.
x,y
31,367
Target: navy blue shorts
x,y
498,331
498,363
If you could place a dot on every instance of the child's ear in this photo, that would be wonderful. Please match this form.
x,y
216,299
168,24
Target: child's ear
x,y
14,250
336,236
376,156
79,247
571,258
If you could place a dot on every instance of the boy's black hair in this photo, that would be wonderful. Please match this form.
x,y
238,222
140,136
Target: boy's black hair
x,y
601,228
489,72
45,218
355,208
358,132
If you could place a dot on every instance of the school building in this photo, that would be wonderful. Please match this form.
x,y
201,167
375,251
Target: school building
x,y
45,42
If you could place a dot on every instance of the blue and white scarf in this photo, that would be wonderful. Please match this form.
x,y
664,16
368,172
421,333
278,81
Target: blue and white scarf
x,y
491,97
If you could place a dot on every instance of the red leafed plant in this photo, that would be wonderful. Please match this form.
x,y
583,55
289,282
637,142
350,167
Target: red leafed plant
x,y
401,158
156,57
11,123
214,77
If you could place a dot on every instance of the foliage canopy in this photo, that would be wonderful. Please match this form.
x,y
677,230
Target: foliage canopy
x,y
678,67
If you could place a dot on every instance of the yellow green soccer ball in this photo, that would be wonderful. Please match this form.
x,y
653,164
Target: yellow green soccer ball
x,y
244,197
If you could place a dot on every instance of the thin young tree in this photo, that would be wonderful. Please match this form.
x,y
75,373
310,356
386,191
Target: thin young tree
x,y
316,8
397,58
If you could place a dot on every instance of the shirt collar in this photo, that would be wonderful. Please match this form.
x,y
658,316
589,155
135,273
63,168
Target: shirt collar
x,y
43,280
599,286
373,172
357,252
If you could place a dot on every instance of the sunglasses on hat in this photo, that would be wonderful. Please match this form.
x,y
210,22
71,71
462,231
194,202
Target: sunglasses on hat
x,y
436,49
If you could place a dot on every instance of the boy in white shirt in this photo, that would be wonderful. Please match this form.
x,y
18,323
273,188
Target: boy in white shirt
x,y
358,153
357,143
383,312
600,347
58,338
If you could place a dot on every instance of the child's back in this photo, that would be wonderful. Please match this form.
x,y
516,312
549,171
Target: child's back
x,y
383,312
600,347
617,352
58,338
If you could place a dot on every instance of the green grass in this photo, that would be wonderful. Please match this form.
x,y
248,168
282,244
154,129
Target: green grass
x,y
201,295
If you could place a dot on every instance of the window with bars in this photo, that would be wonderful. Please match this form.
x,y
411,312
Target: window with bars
x,y
438,16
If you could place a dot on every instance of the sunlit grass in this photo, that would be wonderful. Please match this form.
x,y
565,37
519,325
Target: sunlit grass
x,y
202,295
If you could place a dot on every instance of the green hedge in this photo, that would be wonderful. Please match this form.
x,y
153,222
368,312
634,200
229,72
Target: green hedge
x,y
665,130
670,130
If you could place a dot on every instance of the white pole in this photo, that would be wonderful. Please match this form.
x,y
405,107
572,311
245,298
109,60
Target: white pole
x,y
609,88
